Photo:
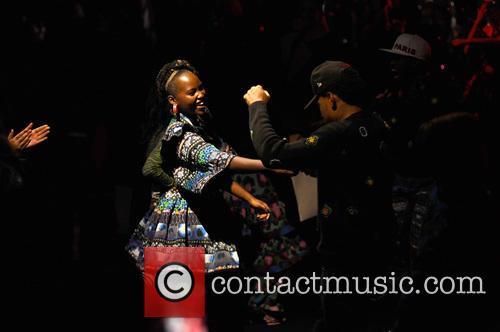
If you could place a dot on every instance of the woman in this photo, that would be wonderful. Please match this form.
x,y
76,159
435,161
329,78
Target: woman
x,y
188,162
278,246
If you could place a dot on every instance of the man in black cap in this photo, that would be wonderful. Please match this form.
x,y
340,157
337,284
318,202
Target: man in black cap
x,y
355,216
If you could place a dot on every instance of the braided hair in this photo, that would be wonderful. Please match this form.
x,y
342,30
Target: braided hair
x,y
158,108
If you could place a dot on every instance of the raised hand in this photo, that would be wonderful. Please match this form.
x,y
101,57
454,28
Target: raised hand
x,y
255,94
38,135
22,139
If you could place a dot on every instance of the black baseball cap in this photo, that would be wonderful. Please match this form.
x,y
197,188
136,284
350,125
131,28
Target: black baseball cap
x,y
340,78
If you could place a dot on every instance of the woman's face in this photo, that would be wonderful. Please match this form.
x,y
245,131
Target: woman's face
x,y
190,96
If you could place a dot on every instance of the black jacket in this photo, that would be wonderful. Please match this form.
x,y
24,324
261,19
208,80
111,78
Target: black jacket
x,y
354,183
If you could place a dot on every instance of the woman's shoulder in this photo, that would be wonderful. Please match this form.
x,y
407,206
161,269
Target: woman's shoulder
x,y
176,129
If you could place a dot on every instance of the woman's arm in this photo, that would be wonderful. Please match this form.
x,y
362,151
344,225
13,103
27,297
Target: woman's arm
x,y
203,161
245,164
237,190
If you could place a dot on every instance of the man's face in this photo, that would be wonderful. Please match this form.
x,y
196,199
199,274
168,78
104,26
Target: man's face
x,y
402,67
325,108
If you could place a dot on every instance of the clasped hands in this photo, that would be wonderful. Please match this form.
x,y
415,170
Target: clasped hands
x,y
256,93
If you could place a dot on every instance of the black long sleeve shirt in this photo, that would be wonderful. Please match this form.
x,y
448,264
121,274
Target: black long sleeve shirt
x,y
354,182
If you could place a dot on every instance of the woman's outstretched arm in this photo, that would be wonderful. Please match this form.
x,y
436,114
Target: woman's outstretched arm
x,y
245,164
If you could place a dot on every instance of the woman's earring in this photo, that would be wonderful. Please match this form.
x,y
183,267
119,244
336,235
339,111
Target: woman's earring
x,y
174,109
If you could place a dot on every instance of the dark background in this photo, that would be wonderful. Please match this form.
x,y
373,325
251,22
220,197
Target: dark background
x,y
85,68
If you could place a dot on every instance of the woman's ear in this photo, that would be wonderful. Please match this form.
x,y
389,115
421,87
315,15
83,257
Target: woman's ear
x,y
171,100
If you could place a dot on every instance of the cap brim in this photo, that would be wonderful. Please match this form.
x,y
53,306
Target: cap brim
x,y
308,105
388,50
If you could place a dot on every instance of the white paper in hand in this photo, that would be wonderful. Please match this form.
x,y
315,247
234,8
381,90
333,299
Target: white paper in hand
x,y
306,193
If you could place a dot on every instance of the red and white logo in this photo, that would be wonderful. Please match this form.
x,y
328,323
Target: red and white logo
x,y
174,282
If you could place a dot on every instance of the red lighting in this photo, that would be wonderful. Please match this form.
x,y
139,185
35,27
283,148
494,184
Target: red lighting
x,y
488,30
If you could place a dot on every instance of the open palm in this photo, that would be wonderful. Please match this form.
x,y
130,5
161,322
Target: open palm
x,y
28,137
38,135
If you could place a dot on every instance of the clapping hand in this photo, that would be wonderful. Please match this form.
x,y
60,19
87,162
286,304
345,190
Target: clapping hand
x,y
21,140
38,135
28,137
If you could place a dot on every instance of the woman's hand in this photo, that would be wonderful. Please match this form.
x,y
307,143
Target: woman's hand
x,y
260,205
282,171
28,137
38,135
237,190
22,139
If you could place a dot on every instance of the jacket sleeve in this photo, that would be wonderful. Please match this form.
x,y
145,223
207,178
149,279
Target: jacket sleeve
x,y
200,162
306,153
153,169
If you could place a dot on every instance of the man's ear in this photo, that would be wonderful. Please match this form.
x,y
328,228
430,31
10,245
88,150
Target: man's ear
x,y
331,96
333,99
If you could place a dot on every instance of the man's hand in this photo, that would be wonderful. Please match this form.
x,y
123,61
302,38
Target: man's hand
x,y
255,94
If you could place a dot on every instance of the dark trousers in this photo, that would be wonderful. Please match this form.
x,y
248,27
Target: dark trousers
x,y
225,312
353,312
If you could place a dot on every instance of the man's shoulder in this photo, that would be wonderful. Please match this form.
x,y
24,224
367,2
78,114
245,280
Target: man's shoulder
x,y
363,118
334,127
370,120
